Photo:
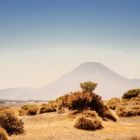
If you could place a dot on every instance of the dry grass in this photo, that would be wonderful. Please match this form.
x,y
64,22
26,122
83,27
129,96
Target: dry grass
x,y
53,126
3,134
114,102
125,111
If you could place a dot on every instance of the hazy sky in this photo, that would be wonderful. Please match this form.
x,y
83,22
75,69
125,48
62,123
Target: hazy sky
x,y
40,40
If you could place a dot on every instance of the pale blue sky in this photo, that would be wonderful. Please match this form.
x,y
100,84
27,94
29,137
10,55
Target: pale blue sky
x,y
40,40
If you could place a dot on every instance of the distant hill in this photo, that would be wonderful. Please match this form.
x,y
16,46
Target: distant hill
x,y
110,84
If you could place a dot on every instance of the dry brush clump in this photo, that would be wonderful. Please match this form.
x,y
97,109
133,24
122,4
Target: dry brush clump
x,y
11,123
3,134
124,111
31,109
91,101
87,122
62,101
49,107
114,102
22,112
79,100
85,100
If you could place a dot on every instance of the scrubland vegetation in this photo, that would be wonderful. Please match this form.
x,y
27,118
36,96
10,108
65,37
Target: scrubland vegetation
x,y
63,118
3,134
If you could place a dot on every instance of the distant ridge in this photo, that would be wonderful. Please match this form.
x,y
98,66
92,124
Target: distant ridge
x,y
110,84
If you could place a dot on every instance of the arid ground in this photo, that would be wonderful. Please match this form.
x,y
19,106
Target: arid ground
x,y
53,126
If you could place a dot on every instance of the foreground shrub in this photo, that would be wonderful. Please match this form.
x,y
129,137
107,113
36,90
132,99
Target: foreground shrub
x,y
81,101
31,109
3,134
11,123
50,107
131,94
87,123
113,103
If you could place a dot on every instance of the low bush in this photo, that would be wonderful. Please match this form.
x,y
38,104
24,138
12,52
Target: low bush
x,y
131,94
87,123
113,103
3,134
22,112
11,123
49,107
81,101
136,109
62,101
124,111
31,109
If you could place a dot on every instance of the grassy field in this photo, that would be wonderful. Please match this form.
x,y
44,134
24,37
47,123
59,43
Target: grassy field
x,y
53,126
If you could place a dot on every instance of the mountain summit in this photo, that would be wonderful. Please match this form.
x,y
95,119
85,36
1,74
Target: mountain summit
x,y
110,84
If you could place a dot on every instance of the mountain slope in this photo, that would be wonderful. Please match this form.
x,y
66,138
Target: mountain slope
x,y
110,84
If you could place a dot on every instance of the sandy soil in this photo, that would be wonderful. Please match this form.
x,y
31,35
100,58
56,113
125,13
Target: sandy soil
x,y
53,126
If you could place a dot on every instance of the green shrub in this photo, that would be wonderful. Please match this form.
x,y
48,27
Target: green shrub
x,y
3,134
87,123
131,94
31,109
11,123
88,86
